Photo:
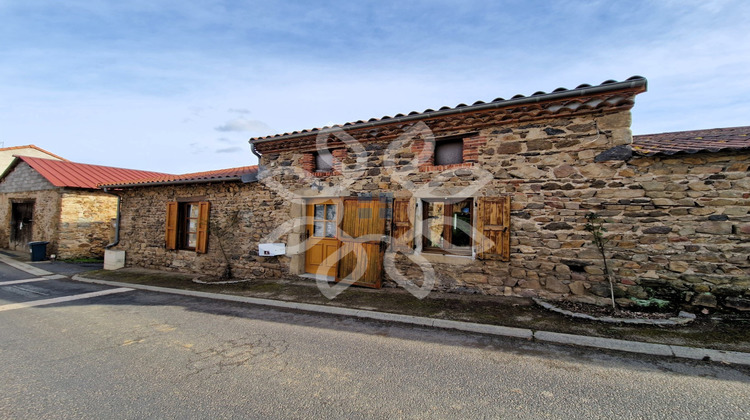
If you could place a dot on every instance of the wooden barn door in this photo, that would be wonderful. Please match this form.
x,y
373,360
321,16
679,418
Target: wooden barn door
x,y
22,217
360,253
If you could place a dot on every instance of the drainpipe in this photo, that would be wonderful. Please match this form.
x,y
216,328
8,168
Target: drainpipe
x,y
260,173
255,152
117,221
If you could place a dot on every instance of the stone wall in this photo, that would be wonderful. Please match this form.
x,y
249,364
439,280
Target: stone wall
x,y
677,226
247,212
86,223
24,184
24,178
45,221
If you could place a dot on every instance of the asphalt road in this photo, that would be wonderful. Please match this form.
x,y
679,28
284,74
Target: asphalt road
x,y
137,354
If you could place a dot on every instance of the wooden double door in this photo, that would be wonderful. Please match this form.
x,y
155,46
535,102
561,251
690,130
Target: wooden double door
x,y
345,239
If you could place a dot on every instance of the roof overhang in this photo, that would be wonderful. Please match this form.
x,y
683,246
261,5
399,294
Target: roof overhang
x,y
561,96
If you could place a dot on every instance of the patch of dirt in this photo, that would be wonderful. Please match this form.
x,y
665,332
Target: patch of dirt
x,y
602,311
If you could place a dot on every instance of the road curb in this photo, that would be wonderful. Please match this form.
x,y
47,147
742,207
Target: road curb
x,y
693,353
18,265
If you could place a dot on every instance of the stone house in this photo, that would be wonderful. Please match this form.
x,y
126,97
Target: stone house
x,y
58,201
492,198
198,223
487,198
7,154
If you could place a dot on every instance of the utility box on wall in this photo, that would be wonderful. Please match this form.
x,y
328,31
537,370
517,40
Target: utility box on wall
x,y
269,250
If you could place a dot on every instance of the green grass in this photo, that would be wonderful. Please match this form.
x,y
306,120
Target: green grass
x,y
83,260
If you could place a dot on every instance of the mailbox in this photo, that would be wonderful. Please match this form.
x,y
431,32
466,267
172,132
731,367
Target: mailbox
x,y
269,250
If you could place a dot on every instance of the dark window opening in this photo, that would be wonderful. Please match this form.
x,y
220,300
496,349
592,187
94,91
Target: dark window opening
x,y
449,152
187,234
323,161
447,226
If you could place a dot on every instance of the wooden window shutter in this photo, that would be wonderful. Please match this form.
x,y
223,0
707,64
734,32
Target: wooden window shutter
x,y
202,241
403,233
171,234
493,222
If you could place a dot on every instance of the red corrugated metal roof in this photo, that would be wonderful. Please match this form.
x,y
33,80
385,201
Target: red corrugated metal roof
x,y
81,175
206,176
710,140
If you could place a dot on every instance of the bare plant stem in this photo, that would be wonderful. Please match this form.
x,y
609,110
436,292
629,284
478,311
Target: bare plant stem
x,y
594,226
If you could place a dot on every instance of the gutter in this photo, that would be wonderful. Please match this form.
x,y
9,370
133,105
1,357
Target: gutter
x,y
631,83
117,220
177,182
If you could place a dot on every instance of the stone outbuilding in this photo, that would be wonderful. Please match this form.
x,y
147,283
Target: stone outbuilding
x,y
58,201
208,223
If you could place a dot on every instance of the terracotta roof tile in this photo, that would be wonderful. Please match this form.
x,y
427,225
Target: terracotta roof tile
x,y
534,98
710,140
206,176
81,175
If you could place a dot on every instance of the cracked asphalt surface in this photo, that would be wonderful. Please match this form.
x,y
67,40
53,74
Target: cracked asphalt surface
x,y
141,354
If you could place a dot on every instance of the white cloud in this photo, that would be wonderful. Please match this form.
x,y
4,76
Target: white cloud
x,y
244,125
235,149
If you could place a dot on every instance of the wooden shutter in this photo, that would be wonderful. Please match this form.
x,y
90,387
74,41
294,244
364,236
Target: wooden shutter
x,y
362,227
403,233
202,233
493,222
171,234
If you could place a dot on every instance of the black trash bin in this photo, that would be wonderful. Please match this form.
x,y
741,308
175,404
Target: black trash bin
x,y
38,250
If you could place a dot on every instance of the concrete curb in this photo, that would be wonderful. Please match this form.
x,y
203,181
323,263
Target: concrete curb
x,y
693,353
23,266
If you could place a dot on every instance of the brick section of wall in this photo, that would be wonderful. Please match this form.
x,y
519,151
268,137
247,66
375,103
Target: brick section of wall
x,y
678,227
257,211
307,162
86,223
425,150
24,178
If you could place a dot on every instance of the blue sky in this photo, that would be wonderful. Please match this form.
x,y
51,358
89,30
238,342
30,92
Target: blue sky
x,y
180,86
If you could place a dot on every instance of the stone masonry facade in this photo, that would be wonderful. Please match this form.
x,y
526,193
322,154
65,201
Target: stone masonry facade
x,y
678,227
240,216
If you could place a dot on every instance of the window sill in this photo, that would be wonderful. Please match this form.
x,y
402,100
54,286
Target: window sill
x,y
441,258
439,168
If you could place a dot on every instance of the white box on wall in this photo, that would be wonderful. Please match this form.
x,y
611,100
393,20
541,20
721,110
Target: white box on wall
x,y
269,250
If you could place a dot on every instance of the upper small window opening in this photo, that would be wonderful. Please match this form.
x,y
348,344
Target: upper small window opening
x,y
449,152
323,161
